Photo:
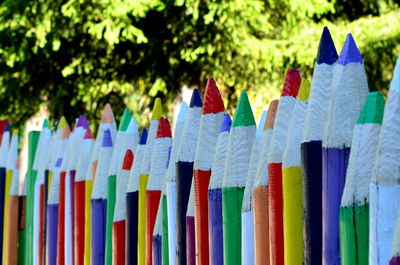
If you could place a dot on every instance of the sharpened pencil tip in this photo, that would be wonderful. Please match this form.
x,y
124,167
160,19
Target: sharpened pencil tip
x,y
164,128
108,115
292,83
304,90
212,98
128,160
125,119
157,109
273,108
350,52
82,122
88,134
226,124
196,99
143,137
243,115
326,50
107,140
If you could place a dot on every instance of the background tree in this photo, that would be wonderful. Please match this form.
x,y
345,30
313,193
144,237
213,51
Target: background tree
x,y
73,56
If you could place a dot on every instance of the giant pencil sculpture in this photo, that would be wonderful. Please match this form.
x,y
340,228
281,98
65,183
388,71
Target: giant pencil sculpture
x,y
278,144
354,209
292,182
247,206
215,230
10,244
41,157
118,230
171,183
5,142
55,245
80,191
240,142
212,115
99,201
184,169
311,150
190,230
260,193
119,151
159,159
119,226
30,198
74,151
132,200
349,91
143,180
384,190
63,246
107,122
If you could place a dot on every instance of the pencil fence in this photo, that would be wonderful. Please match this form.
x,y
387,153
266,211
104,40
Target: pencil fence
x,y
317,183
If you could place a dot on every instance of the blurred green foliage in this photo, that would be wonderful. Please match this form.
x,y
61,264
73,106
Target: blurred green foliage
x,y
73,56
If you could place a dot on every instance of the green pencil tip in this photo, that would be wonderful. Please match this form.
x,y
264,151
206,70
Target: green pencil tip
x,y
304,91
125,119
157,109
45,123
243,115
372,111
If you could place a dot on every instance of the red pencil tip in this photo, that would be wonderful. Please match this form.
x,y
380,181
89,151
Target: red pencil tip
x,y
212,98
292,83
128,160
88,134
164,129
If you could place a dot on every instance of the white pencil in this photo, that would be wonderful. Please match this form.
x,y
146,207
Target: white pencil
x,y
385,187
171,183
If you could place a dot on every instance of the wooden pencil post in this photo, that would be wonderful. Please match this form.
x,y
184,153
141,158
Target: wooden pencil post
x,y
311,149
260,194
275,198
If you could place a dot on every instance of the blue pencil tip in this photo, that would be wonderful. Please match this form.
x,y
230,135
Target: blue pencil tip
x,y
196,99
169,156
82,122
143,137
107,140
7,129
350,52
326,50
226,124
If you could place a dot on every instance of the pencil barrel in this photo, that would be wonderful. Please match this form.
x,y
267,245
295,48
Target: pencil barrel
x,y
292,215
311,160
79,222
334,164
232,199
132,206
98,234
275,204
184,176
215,227
261,225
118,234
201,182
354,236
190,241
111,197
152,201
